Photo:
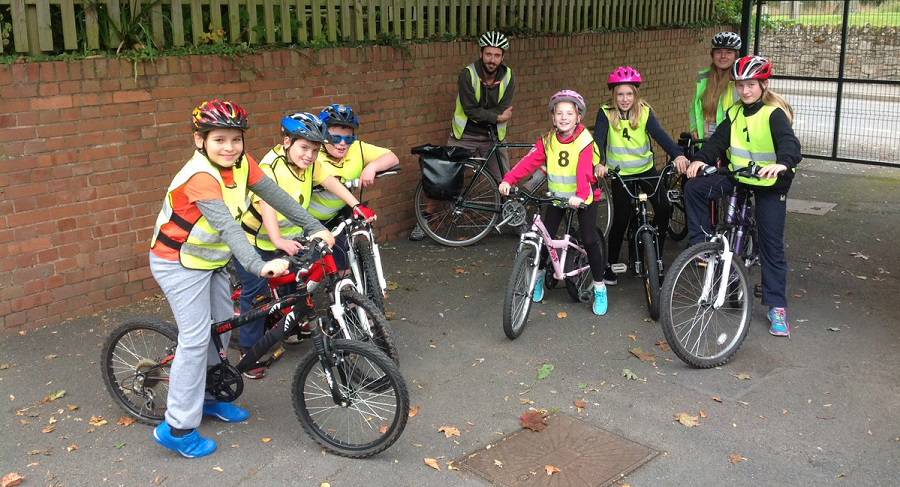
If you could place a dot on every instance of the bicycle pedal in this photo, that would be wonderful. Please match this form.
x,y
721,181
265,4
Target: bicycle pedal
x,y
619,268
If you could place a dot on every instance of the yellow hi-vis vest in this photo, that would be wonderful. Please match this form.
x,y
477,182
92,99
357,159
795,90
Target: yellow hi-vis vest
x,y
204,248
299,187
324,204
460,119
698,118
751,140
562,163
628,148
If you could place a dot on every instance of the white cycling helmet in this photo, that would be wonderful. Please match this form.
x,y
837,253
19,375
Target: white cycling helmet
x,y
493,39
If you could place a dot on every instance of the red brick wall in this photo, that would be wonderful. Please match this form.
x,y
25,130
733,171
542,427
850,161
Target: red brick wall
x,y
88,147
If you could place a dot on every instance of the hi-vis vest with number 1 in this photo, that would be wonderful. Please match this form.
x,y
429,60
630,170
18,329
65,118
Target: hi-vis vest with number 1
x,y
299,187
751,140
628,148
562,163
324,204
729,97
460,119
204,248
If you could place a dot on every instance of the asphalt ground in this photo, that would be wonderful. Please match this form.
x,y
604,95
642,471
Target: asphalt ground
x,y
821,408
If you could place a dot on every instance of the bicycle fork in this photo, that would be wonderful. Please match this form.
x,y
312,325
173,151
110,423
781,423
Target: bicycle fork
x,y
709,277
328,361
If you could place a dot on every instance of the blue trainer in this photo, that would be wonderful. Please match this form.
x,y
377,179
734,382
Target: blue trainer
x,y
538,294
188,446
225,411
601,303
780,327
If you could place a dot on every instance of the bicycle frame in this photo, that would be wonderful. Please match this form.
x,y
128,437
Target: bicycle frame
x,y
640,199
557,249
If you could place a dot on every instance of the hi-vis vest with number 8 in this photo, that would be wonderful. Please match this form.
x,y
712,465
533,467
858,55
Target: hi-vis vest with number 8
x,y
751,140
629,148
460,119
275,165
562,163
204,248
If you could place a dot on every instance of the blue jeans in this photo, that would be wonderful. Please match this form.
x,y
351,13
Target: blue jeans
x,y
252,287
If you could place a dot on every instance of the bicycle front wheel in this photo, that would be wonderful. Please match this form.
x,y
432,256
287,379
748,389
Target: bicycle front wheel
x,y
365,322
375,403
135,364
700,334
651,274
465,219
517,303
367,267
605,210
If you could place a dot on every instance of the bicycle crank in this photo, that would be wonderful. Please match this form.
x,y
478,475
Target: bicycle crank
x,y
224,382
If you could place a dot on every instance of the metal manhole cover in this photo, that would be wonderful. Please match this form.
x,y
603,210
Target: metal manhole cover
x,y
584,454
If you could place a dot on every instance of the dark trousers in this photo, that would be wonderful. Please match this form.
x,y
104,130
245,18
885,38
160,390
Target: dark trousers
x,y
770,214
588,235
252,286
623,212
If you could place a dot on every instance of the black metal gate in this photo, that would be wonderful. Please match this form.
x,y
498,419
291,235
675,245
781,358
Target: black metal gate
x,y
838,63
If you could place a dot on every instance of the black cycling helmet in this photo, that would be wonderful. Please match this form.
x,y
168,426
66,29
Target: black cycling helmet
x,y
339,115
493,39
726,40
303,125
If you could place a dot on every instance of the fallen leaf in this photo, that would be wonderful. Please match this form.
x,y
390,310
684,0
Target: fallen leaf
x,y
49,429
120,445
125,421
324,484
51,356
11,479
633,338
687,420
452,466
97,421
413,411
702,414
4,366
833,328
449,431
392,286
628,374
717,398
71,447
742,376
218,469
383,429
55,395
551,469
736,458
580,404
526,401
562,314
72,407
431,462
642,355
498,463
533,420
544,371
663,345
266,439
390,315
460,270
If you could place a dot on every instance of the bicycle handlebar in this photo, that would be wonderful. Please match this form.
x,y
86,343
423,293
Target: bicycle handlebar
x,y
355,183
749,171
613,174
550,200
314,250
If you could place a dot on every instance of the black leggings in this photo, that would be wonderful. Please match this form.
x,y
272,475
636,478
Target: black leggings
x,y
588,235
622,213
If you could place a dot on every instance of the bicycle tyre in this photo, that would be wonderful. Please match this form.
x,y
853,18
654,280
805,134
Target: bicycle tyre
x,y
351,356
680,310
580,287
442,220
117,371
367,267
605,212
651,274
517,303
677,223
382,336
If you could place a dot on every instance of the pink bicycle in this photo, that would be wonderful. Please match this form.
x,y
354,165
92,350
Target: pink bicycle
x,y
568,257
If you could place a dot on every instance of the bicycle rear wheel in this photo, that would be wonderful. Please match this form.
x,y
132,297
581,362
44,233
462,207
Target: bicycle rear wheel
x,y
377,401
651,274
581,286
517,303
363,250
135,363
678,223
701,335
465,219
359,312
605,211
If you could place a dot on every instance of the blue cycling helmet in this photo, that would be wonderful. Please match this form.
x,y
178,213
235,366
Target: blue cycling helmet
x,y
339,115
303,125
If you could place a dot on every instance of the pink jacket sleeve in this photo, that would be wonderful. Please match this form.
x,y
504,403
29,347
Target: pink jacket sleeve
x,y
532,161
585,178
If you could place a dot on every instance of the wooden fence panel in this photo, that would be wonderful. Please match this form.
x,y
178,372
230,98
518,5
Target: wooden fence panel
x,y
234,21
67,9
285,21
302,29
196,21
45,34
177,21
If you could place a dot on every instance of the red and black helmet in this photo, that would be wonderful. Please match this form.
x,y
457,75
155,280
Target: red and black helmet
x,y
751,67
218,114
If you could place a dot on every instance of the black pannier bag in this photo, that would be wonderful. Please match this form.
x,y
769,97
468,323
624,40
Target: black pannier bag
x,y
442,170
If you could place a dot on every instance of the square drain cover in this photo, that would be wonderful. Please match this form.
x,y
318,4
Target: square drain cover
x,y
584,454
808,207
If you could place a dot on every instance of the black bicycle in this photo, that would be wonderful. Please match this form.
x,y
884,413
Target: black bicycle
x,y
643,248
469,214
706,298
347,394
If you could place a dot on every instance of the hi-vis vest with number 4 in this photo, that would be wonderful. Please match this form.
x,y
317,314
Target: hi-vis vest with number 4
x,y
562,163
460,119
297,186
629,148
204,248
751,140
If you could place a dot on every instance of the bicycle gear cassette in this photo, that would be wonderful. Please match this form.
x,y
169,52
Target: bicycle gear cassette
x,y
513,213
224,382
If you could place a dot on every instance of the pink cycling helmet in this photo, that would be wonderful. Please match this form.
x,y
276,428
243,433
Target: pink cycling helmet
x,y
624,75
569,96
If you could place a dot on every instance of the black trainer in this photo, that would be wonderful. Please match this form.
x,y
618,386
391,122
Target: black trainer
x,y
609,277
